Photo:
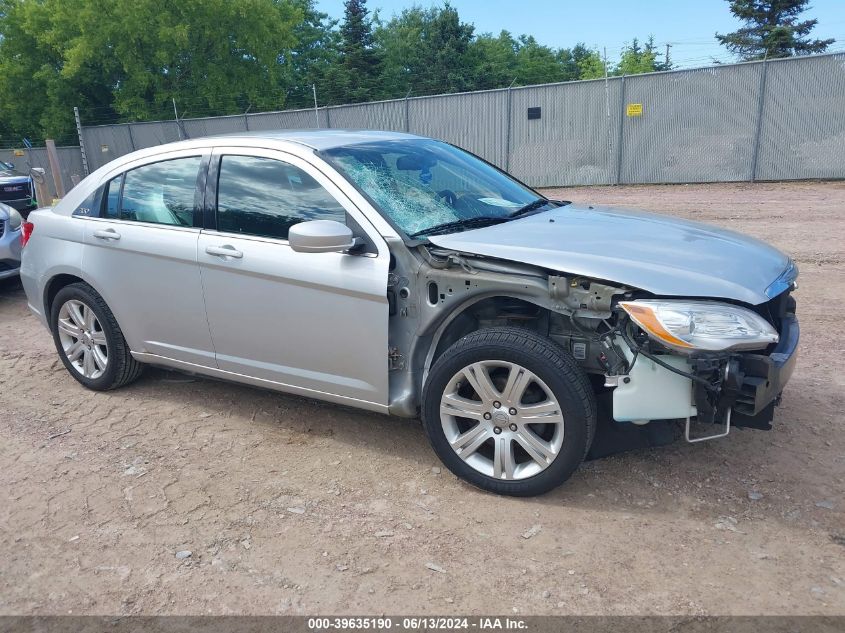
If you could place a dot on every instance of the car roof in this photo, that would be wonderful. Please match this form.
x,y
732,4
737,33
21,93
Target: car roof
x,y
324,139
313,140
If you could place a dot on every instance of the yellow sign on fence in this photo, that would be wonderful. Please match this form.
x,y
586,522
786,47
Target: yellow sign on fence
x,y
635,109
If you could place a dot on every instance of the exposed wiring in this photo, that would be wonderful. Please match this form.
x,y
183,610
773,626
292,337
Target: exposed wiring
x,y
637,349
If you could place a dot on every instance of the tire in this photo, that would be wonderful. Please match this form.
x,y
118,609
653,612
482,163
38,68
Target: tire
x,y
501,453
94,336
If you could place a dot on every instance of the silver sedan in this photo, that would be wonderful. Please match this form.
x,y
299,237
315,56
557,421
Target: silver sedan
x,y
403,275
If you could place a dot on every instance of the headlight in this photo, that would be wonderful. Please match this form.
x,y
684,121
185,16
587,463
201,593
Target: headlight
x,y
15,219
688,326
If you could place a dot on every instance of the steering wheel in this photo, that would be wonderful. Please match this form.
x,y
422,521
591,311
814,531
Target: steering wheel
x,y
449,196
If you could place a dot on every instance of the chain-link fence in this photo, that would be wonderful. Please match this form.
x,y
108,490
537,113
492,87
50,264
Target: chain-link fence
x,y
774,120
70,164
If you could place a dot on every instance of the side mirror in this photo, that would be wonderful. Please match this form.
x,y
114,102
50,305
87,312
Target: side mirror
x,y
320,236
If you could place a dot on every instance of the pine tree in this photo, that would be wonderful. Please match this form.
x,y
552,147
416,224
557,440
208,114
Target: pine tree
x,y
771,29
360,60
641,58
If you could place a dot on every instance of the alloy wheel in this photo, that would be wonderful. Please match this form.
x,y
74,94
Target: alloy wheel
x,y
502,420
83,339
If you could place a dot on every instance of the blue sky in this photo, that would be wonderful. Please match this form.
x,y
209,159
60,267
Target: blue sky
x,y
688,25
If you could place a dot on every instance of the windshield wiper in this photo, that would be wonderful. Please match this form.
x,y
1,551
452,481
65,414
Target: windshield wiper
x,y
477,222
466,223
532,207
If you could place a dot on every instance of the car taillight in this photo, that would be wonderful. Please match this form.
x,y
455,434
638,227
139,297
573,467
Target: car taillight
x,y
26,232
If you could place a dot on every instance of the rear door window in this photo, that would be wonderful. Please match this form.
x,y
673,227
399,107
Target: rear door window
x,y
160,193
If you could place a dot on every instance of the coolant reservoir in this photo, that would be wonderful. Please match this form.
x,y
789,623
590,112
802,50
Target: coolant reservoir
x,y
653,392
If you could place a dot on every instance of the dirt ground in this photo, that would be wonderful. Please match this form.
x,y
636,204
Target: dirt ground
x,y
292,506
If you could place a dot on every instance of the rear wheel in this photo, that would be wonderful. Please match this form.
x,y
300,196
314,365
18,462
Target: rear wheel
x,y
509,411
89,341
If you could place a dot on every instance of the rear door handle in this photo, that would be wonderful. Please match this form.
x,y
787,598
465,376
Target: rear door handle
x,y
224,251
107,234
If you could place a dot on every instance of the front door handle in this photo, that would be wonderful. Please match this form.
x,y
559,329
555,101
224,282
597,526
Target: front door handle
x,y
224,251
107,234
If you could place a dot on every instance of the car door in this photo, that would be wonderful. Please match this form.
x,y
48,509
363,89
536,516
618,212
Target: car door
x,y
315,323
141,255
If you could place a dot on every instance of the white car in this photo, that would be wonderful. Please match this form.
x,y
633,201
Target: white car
x,y
403,275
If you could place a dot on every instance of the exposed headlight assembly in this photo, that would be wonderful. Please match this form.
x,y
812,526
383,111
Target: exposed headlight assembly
x,y
689,326
15,219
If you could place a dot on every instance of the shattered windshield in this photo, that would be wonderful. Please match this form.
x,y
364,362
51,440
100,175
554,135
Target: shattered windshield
x,y
423,185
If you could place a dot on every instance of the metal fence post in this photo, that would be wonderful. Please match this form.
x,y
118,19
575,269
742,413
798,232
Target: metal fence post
x,y
508,131
761,100
131,137
176,117
619,138
328,117
407,112
81,142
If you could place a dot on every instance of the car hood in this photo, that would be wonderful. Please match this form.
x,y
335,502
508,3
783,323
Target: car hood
x,y
662,255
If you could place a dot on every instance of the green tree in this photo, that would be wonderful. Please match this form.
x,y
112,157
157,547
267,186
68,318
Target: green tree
x,y
130,58
356,75
538,64
494,60
589,63
427,51
639,58
35,97
771,29
315,53
501,60
211,56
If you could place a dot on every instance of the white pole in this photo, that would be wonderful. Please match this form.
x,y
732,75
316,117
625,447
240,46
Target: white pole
x,y
176,116
316,110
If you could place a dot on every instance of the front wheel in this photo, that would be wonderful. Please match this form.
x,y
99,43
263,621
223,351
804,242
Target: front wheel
x,y
509,411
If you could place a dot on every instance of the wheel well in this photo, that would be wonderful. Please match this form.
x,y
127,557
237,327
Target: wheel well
x,y
53,286
492,312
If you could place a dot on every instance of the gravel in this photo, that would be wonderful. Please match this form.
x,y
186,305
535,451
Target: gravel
x,y
637,548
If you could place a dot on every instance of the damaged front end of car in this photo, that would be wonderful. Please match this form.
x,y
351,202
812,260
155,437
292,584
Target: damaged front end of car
x,y
731,361
653,361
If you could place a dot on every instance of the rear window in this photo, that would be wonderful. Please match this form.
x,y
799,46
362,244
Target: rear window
x,y
90,207
161,193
